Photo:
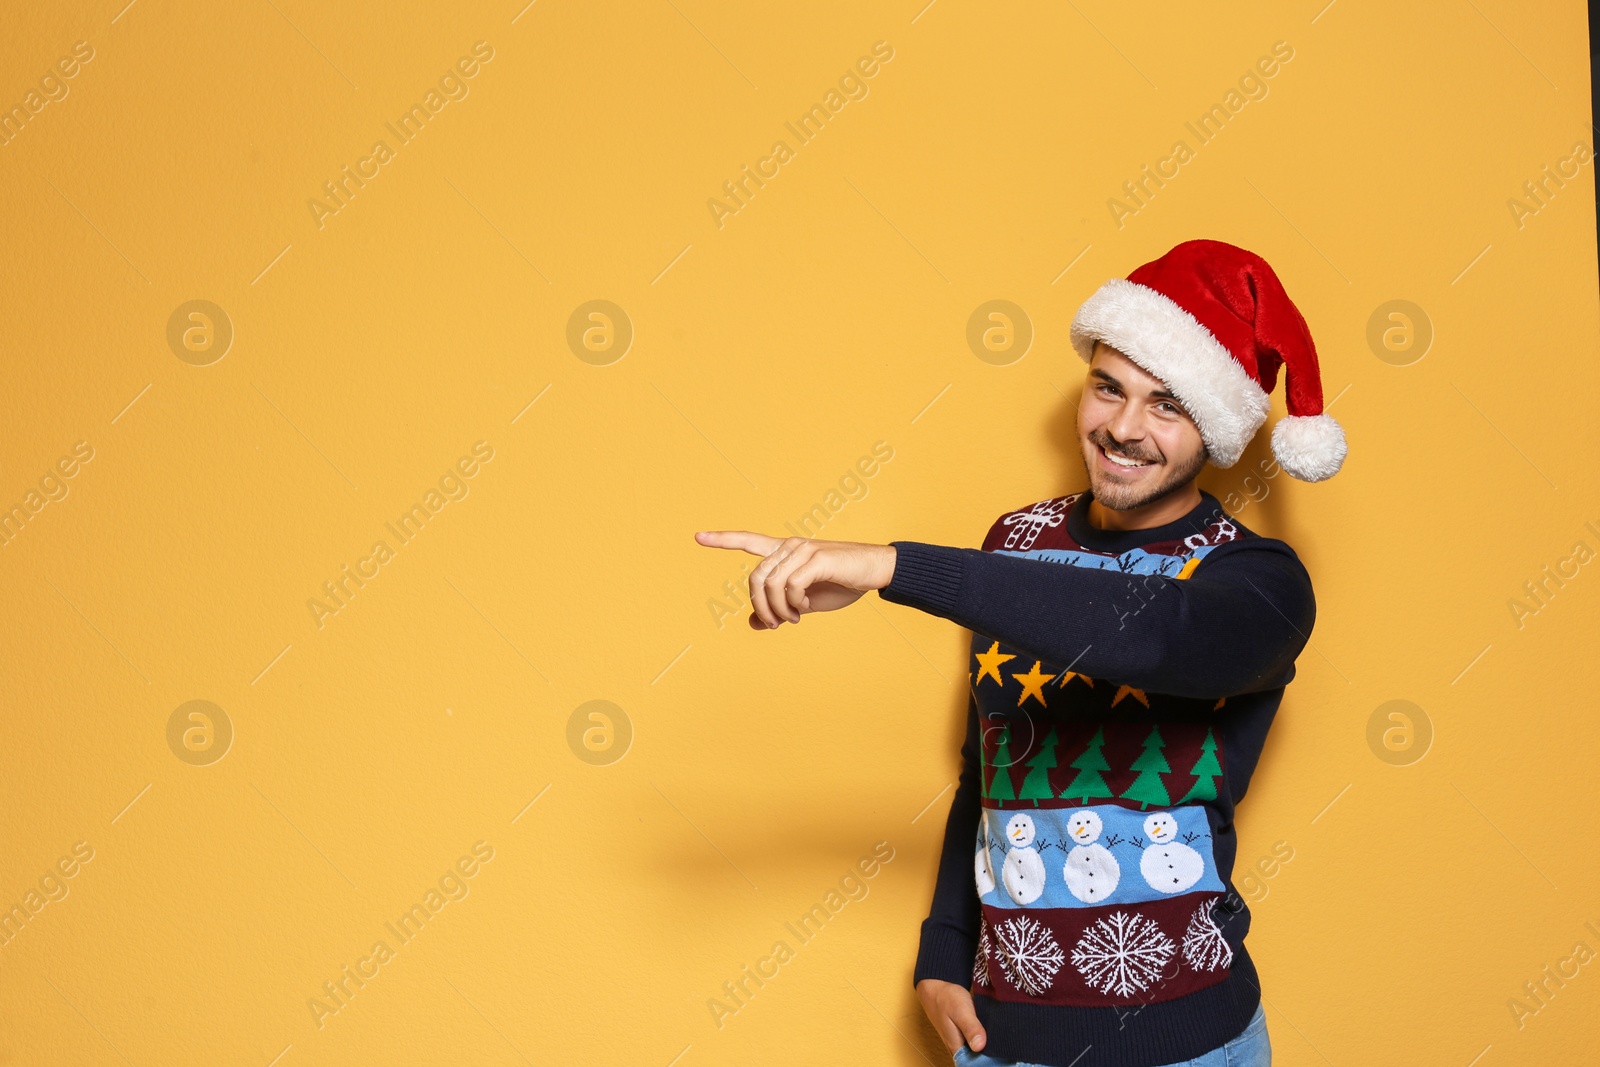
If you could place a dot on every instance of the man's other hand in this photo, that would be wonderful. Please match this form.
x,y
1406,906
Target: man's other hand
x,y
949,1008
799,574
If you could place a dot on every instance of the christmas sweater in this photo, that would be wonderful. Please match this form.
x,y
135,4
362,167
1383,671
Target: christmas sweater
x,y
1120,690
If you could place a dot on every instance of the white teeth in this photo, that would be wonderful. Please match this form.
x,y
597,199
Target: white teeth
x,y
1121,462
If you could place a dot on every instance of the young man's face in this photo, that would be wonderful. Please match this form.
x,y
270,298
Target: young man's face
x,y
1128,411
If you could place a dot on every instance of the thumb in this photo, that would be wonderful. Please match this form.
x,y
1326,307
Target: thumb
x,y
966,1019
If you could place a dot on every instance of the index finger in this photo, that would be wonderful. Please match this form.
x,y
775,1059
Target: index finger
x,y
754,543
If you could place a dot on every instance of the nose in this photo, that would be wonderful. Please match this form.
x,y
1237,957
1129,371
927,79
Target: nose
x,y
1125,427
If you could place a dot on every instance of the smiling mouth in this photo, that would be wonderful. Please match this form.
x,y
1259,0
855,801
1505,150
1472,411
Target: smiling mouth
x,y
1121,463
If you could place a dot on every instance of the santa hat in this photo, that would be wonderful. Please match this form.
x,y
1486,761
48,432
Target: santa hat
x,y
1212,321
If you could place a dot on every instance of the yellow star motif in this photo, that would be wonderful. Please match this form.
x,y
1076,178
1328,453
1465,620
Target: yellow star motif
x,y
1124,690
1067,676
1032,684
1219,703
989,663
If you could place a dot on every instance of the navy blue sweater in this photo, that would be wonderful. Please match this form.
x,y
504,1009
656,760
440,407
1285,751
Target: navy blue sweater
x,y
1121,688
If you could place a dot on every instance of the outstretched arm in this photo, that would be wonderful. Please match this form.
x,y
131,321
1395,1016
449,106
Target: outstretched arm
x,y
1235,626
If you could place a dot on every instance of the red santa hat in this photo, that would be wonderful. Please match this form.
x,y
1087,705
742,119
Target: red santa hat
x,y
1212,321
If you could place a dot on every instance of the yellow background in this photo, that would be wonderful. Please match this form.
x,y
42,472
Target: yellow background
x,y
768,355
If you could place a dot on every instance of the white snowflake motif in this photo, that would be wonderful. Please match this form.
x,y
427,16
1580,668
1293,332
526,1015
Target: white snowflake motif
x,y
980,963
1204,947
1029,956
1026,525
1122,953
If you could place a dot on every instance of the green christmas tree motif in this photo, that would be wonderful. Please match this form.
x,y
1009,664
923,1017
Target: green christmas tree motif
x,y
1037,785
1089,783
1000,784
1206,769
1148,788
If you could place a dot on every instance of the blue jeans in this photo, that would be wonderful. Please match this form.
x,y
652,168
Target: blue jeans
x,y
1249,1049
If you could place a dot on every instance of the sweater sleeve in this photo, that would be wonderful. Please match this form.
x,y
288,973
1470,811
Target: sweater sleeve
x,y
1234,626
949,937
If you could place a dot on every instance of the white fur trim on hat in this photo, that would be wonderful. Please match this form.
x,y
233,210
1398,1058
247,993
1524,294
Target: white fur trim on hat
x,y
1151,329
1309,447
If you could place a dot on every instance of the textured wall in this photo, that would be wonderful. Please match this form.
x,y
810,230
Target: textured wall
x,y
259,314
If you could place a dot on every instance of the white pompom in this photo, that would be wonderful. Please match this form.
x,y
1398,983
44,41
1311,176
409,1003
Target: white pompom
x,y
1310,447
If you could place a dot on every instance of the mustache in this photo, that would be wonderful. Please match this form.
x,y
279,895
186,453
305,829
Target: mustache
x,y
1112,447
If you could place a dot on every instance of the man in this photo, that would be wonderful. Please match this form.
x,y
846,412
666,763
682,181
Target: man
x,y
1131,645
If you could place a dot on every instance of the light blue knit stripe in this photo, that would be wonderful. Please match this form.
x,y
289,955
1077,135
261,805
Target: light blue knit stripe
x,y
1133,561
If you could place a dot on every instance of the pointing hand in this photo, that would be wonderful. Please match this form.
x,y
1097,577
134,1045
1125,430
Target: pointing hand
x,y
800,574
